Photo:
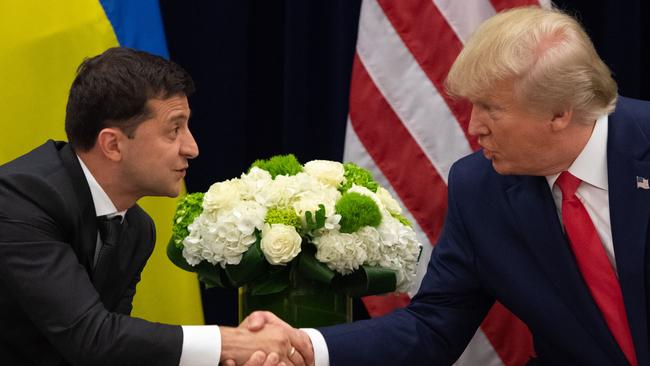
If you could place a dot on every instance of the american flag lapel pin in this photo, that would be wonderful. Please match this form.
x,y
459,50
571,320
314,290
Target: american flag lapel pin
x,y
642,183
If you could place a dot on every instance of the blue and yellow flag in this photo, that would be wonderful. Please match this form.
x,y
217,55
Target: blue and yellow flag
x,y
43,42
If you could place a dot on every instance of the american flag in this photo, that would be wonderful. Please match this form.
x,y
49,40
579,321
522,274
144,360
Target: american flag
x,y
405,129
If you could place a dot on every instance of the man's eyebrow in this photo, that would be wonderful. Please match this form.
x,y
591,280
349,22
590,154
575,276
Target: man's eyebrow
x,y
181,116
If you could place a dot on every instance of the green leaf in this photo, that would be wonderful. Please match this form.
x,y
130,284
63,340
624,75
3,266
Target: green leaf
x,y
309,220
252,265
320,216
175,254
276,281
310,268
319,221
367,281
213,276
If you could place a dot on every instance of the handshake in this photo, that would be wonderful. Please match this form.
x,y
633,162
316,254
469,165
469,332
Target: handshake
x,y
263,339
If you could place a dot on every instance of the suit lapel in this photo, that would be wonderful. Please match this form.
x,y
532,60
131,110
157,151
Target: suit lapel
x,y
532,203
129,256
629,208
87,222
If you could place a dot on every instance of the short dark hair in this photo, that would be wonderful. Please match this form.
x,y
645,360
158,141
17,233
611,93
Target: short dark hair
x,y
112,89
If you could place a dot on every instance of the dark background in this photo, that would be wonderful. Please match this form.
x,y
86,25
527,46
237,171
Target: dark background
x,y
273,77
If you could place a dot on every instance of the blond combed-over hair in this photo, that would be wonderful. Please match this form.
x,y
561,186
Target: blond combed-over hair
x,y
545,54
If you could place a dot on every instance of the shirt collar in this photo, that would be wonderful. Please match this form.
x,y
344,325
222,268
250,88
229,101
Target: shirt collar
x,y
103,204
591,164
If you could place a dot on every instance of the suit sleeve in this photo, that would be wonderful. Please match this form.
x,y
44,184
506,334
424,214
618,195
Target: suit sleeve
x,y
440,320
125,306
40,269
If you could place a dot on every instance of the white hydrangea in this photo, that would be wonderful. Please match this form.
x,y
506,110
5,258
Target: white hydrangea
x,y
223,236
341,252
399,251
255,185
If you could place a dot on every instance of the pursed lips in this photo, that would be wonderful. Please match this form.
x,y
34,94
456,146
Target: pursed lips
x,y
488,153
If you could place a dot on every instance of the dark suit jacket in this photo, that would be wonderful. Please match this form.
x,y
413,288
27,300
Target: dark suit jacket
x,y
52,312
502,240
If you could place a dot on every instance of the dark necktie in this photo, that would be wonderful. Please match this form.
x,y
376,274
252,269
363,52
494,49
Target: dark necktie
x,y
594,265
110,233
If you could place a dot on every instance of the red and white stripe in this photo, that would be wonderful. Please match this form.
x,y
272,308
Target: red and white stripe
x,y
405,129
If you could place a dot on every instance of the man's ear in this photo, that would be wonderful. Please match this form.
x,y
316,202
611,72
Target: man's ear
x,y
561,120
108,143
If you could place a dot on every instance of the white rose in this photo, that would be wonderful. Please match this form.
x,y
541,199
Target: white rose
x,y
222,195
280,243
389,202
328,172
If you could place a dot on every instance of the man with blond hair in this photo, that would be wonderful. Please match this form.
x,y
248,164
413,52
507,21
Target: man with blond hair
x,y
550,218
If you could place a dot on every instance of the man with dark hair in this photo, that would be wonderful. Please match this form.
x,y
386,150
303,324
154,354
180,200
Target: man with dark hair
x,y
73,241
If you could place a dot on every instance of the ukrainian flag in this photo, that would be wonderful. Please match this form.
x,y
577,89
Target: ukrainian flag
x,y
43,42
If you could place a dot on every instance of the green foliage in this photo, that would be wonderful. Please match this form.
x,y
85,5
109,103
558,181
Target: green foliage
x,y
401,219
276,280
316,222
279,165
356,211
355,174
284,216
188,208
253,265
311,268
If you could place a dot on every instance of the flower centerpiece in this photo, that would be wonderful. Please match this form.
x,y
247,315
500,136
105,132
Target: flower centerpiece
x,y
298,239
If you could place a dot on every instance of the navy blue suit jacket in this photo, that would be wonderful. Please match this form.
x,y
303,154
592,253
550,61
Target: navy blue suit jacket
x,y
502,240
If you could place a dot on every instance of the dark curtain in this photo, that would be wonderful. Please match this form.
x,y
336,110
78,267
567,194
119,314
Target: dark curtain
x,y
273,77
620,31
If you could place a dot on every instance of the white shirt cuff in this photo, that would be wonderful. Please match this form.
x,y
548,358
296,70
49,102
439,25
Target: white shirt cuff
x,y
321,353
201,345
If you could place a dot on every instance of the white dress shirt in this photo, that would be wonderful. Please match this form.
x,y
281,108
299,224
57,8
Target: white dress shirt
x,y
591,167
201,343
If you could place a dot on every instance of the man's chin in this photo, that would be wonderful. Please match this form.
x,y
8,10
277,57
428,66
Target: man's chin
x,y
171,192
501,168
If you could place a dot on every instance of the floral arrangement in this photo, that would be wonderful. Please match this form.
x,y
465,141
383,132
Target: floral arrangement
x,y
325,221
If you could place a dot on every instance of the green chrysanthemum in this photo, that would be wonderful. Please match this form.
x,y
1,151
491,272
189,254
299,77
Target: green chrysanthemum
x,y
356,211
279,165
188,208
284,216
355,174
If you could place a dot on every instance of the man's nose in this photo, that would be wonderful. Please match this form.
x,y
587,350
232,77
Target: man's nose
x,y
476,125
189,147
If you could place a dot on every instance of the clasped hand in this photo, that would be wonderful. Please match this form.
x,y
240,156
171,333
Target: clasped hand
x,y
263,339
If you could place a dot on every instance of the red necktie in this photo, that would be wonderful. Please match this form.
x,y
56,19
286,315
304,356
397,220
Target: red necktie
x,y
594,265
